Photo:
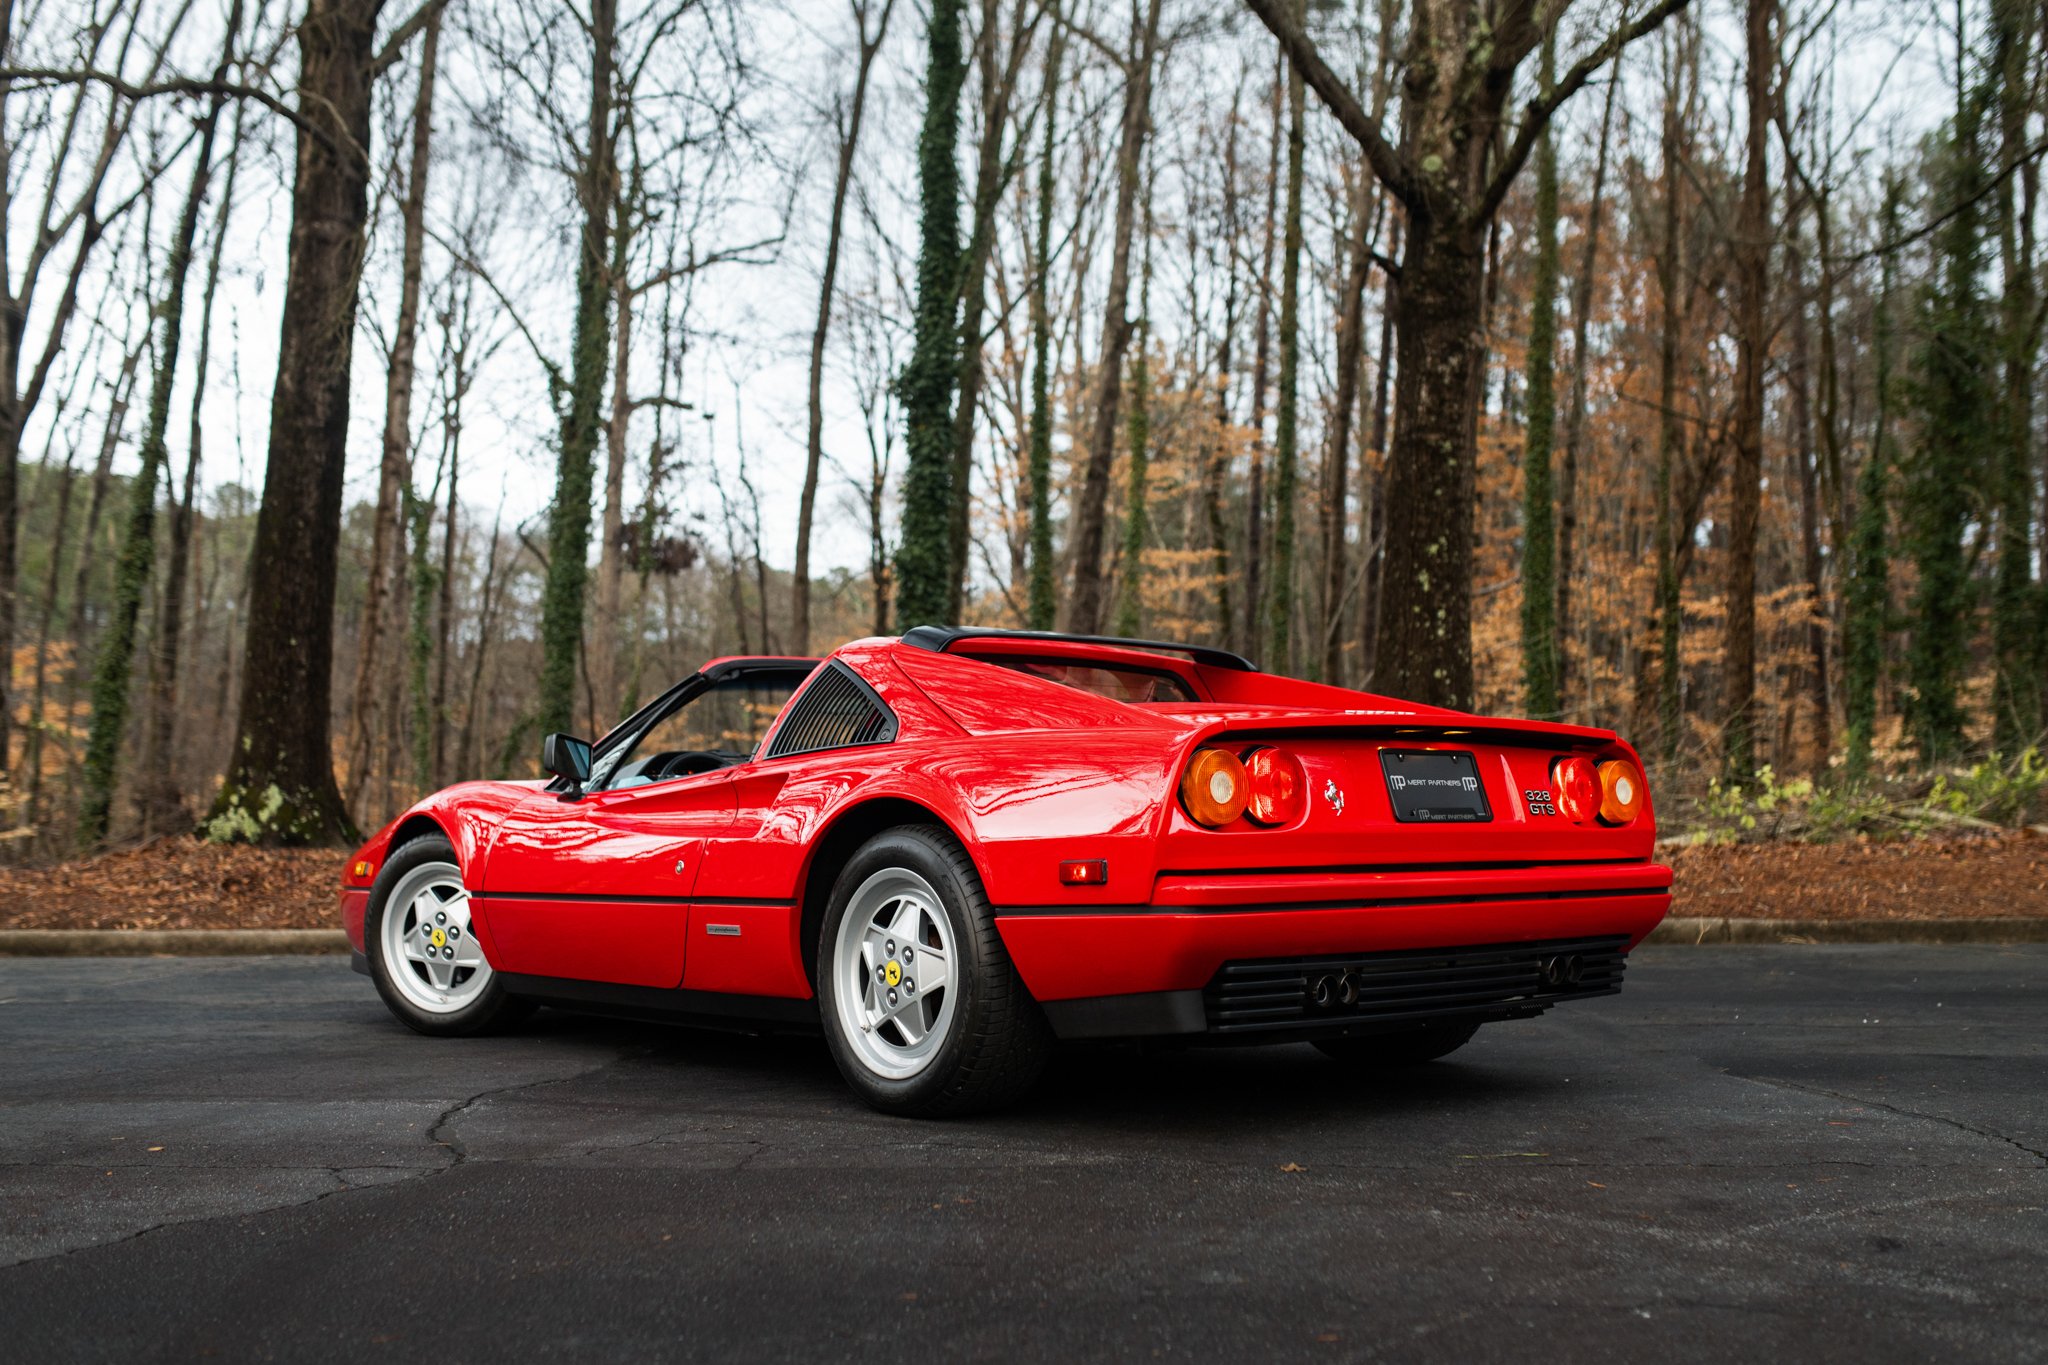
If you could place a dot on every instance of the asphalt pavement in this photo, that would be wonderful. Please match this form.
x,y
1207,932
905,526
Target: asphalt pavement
x,y
1802,1153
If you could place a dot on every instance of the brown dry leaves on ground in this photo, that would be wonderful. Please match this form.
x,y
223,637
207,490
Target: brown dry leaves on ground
x,y
187,884
1954,878
178,883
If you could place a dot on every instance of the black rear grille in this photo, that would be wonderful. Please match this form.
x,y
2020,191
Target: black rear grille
x,y
836,711
1314,995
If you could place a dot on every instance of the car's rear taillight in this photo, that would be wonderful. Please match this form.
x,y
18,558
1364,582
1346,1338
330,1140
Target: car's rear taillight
x,y
1577,784
1621,791
1278,789
1215,789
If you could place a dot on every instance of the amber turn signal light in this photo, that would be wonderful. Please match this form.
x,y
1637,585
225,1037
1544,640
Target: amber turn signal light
x,y
1276,788
1215,789
1621,791
1577,786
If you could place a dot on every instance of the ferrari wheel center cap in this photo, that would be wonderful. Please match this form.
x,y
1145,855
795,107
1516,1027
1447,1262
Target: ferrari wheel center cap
x,y
893,973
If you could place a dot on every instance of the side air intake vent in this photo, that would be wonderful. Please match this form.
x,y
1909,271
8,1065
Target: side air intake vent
x,y
836,711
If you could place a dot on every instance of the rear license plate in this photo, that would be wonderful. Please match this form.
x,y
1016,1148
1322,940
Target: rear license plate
x,y
1434,786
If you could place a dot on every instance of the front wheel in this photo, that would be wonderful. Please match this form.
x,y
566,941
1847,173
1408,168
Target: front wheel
x,y
423,952
923,1011
1386,1051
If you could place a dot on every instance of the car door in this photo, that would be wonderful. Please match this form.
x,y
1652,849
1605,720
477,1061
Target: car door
x,y
598,888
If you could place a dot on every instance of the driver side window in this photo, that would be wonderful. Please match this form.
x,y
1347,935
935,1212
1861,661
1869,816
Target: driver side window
x,y
719,727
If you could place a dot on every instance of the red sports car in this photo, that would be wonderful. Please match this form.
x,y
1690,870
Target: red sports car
x,y
948,850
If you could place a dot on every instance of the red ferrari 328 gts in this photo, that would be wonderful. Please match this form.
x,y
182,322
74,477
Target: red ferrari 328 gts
x,y
948,850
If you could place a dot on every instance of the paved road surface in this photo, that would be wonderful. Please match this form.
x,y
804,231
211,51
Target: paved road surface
x,y
1804,1153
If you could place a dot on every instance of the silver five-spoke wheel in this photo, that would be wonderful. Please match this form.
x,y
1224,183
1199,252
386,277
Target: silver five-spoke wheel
x,y
433,956
894,959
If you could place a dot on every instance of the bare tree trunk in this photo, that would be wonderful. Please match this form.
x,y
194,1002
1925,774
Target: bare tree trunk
x,y
444,621
1373,480
395,468
280,783
1575,409
160,792
1669,434
113,669
1805,457
828,282
1752,260
1085,602
1337,452
992,171
1216,461
1255,488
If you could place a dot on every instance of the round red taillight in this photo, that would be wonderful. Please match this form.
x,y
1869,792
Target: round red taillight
x,y
1278,790
1577,783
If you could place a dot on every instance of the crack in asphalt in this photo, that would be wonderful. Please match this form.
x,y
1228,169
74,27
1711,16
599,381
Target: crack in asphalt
x,y
1900,1110
458,1154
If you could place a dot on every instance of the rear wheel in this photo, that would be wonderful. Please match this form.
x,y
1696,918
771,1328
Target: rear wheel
x,y
922,1008
423,952
1386,1051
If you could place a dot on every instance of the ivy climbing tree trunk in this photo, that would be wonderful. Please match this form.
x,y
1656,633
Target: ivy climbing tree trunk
x,y
1044,607
1539,535
1868,592
923,554
1952,391
280,782
568,571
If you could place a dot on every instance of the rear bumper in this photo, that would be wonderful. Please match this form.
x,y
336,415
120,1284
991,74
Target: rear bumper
x,y
1137,970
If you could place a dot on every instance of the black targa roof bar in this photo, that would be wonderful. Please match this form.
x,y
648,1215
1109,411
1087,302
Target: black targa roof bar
x,y
939,639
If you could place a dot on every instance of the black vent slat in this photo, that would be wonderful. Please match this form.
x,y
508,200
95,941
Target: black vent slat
x,y
836,710
1484,981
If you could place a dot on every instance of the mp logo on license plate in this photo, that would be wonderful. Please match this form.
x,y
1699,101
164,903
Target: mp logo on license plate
x,y
1435,786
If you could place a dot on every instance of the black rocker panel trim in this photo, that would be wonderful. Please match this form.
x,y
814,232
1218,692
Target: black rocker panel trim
x,y
713,1008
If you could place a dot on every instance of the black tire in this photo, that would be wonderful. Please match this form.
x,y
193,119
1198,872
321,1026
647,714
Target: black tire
x,y
998,1041
1389,1051
492,1009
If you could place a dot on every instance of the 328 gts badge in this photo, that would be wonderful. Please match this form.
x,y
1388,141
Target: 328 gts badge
x,y
1540,802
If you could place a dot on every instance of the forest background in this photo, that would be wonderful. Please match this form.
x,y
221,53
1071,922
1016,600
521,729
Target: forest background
x,y
382,387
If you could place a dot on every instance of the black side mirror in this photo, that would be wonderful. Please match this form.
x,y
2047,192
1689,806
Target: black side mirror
x,y
568,758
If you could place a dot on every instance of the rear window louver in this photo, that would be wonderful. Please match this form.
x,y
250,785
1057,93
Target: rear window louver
x,y
836,711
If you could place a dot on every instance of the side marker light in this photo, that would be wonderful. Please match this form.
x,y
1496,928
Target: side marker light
x,y
1084,872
